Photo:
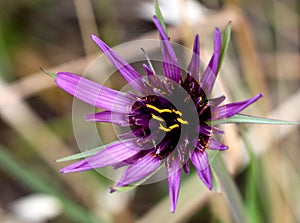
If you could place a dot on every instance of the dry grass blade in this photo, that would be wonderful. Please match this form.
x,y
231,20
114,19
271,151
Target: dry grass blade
x,y
87,24
32,129
194,196
22,119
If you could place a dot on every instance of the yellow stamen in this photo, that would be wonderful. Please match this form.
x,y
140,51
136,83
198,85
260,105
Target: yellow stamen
x,y
173,126
182,121
157,118
164,128
168,129
164,110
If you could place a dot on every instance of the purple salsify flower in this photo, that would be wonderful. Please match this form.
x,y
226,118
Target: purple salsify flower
x,y
149,117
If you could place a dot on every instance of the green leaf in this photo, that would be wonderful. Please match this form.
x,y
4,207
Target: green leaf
x,y
85,154
225,43
160,17
50,74
230,190
251,193
215,183
247,119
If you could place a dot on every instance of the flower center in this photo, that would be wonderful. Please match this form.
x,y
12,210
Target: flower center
x,y
157,124
160,126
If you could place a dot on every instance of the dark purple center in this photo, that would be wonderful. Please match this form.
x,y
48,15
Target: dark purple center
x,y
161,126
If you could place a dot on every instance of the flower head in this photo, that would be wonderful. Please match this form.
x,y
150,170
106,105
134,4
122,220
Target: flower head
x,y
169,118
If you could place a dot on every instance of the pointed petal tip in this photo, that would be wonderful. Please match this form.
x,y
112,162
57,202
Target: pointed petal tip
x,y
228,110
173,173
127,71
112,190
224,147
63,171
173,205
69,169
217,35
94,37
209,185
255,98
217,41
172,210
207,181
98,41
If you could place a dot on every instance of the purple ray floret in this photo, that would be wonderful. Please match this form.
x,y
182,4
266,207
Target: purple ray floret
x,y
201,163
93,93
157,131
116,153
128,72
194,66
108,116
226,111
209,76
170,63
140,169
173,174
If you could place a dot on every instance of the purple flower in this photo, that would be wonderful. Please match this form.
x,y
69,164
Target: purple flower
x,y
160,131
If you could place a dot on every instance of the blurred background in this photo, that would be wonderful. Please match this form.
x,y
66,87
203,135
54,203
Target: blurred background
x,y
36,116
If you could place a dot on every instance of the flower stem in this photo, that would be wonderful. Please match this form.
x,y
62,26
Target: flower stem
x,y
230,190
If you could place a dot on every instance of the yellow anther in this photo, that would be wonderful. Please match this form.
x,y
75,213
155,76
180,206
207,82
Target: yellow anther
x,y
164,110
173,126
164,128
177,112
168,129
182,121
157,118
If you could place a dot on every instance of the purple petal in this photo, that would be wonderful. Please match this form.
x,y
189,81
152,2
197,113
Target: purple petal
x,y
214,102
108,116
130,161
93,93
201,163
173,173
113,154
194,66
229,110
170,63
217,131
186,167
127,71
210,74
139,169
205,130
148,70
214,145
